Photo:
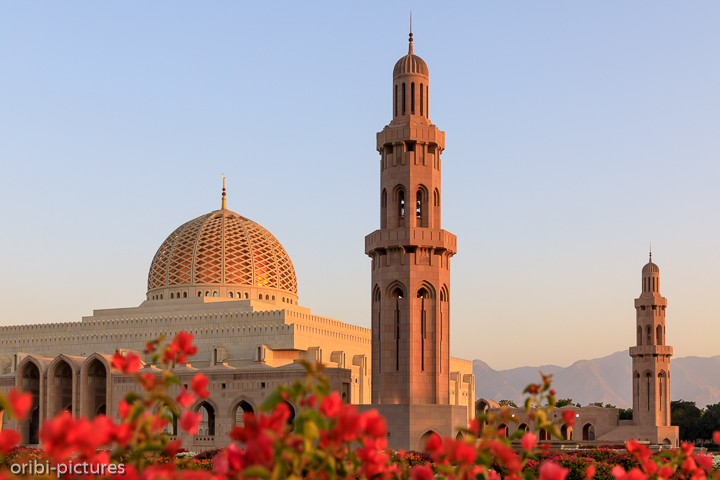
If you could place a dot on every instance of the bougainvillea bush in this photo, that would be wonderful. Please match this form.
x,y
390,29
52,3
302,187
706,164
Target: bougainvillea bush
x,y
328,439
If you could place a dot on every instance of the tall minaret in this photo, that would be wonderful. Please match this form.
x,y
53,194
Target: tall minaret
x,y
410,253
651,357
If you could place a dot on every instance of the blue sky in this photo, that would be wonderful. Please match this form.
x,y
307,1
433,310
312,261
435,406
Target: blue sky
x,y
577,133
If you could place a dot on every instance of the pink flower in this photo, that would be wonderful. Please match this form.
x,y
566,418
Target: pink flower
x,y
198,384
589,472
185,399
665,472
375,424
528,441
552,471
189,421
569,417
716,437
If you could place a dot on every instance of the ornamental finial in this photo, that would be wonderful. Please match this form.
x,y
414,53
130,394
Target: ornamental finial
x,y
410,48
224,202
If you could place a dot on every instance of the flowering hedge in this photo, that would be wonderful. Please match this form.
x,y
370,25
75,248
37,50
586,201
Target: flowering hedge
x,y
328,439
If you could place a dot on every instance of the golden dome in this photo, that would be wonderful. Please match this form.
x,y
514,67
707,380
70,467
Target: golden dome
x,y
221,251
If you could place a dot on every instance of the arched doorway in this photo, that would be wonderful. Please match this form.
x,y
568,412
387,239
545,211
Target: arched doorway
x,y
60,386
95,395
172,422
424,439
30,382
241,409
545,436
523,427
588,432
566,432
503,430
207,423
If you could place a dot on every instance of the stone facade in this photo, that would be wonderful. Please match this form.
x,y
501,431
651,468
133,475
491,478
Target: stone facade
x,y
651,384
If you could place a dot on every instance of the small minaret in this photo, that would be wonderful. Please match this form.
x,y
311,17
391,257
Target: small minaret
x,y
651,356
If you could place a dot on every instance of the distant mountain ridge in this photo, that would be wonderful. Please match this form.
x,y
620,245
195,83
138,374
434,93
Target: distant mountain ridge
x,y
606,379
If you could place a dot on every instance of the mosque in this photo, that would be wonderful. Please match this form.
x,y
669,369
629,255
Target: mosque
x,y
229,282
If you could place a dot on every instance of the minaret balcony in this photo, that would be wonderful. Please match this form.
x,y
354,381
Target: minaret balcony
x,y
651,350
411,236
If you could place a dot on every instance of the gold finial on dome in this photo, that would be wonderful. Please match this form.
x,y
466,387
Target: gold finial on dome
x,y
224,202
410,48
650,252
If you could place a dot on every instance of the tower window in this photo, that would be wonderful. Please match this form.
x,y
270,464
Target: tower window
x,y
184,294
230,294
649,335
427,99
395,101
403,98
422,95
412,98
401,204
172,295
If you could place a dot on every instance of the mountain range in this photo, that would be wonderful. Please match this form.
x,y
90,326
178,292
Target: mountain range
x,y
606,380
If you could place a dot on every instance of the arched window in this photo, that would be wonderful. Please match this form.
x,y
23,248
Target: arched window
x,y
161,296
436,198
422,96
403,98
172,295
661,382
214,294
412,98
401,204
649,336
199,294
230,294
418,204
273,297
427,99
639,335
383,199
648,377
184,294
658,335
395,101
260,296
246,295
207,294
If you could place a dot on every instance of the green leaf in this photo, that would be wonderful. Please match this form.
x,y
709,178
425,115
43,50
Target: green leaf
x,y
256,471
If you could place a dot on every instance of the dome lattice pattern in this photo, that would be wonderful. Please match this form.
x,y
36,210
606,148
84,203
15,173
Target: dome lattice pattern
x,y
222,248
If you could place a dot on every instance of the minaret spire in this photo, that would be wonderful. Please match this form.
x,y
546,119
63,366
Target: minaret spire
x,y
224,201
650,252
410,47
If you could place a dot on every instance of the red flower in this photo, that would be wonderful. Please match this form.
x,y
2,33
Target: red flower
x,y
650,467
552,471
375,424
189,421
689,465
705,461
20,403
198,384
641,452
171,448
332,405
185,399
148,381
716,437
665,472
8,440
183,342
460,451
569,417
589,472
634,474
170,352
528,441
127,364
422,472
434,444
124,409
